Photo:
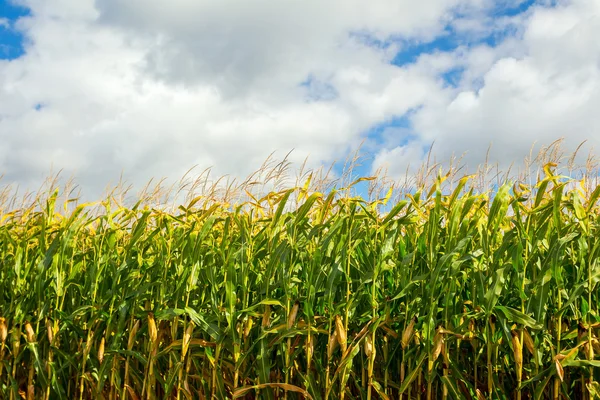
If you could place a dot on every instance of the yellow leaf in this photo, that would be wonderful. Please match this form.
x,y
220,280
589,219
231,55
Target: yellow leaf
x,y
559,370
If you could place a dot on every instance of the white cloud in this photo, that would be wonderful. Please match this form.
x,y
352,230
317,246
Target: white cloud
x,y
151,90
537,87
108,86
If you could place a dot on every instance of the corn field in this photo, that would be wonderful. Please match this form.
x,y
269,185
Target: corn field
x,y
444,293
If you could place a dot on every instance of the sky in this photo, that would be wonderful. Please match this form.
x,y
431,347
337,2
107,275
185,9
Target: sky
x,y
100,89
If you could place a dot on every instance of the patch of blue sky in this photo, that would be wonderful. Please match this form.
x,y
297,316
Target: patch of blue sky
x,y
497,36
453,76
395,131
503,11
412,50
11,40
450,39
360,169
378,134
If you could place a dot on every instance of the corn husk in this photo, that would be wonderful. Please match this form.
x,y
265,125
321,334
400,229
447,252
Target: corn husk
x,y
438,341
132,334
528,342
152,330
368,346
340,333
292,315
29,333
187,337
3,330
559,370
332,345
248,326
266,317
408,333
517,353
101,350
50,331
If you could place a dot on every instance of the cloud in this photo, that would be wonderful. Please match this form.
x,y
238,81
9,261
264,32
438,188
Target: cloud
x,y
537,86
150,90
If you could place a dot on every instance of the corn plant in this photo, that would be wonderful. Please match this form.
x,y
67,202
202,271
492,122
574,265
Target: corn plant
x,y
448,292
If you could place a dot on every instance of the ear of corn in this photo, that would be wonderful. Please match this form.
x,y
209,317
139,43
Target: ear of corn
x,y
273,298
3,331
340,333
408,333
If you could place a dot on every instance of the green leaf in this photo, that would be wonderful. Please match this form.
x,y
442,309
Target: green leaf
x,y
493,294
211,329
413,373
453,390
517,316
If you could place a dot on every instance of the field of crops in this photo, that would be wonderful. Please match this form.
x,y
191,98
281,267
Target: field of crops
x,y
443,293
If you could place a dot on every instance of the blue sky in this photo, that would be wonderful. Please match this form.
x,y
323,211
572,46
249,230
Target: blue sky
x,y
105,90
11,40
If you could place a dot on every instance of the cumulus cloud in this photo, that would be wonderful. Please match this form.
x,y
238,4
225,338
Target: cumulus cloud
x,y
538,86
149,89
